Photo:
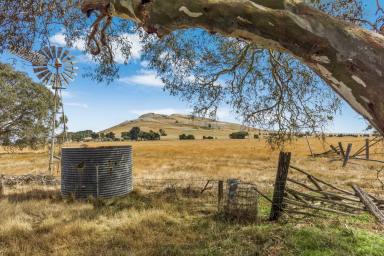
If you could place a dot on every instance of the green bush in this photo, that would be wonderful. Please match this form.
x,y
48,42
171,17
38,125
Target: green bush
x,y
186,137
238,135
151,135
162,132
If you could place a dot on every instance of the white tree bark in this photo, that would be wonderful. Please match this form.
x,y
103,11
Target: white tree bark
x,y
349,58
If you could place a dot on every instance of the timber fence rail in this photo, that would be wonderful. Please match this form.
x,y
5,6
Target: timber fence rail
x,y
298,192
367,150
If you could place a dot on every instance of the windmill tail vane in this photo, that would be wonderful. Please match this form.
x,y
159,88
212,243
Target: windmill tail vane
x,y
35,58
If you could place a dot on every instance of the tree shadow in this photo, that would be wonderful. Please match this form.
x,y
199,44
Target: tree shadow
x,y
34,194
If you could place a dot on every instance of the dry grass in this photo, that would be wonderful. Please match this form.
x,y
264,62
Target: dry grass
x,y
37,222
249,160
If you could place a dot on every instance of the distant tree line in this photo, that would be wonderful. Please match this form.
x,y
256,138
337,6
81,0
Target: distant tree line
x,y
80,135
137,134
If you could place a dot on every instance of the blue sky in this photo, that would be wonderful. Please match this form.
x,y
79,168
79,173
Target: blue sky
x,y
90,105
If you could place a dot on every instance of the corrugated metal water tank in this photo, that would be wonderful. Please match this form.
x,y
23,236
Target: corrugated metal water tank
x,y
101,172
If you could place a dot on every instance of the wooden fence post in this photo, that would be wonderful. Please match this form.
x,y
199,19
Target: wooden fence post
x,y
341,150
220,194
280,182
347,153
233,185
334,149
367,149
309,146
1,186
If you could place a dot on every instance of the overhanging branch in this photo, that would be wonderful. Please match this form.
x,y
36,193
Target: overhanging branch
x,y
349,58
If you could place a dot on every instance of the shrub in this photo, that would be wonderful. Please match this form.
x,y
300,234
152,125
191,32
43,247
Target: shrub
x,y
238,135
208,138
151,135
110,135
162,132
186,137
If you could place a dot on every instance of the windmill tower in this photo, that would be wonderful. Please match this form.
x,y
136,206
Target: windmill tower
x,y
54,67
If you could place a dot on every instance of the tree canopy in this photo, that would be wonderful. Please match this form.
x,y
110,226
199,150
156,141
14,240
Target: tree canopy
x,y
25,110
269,60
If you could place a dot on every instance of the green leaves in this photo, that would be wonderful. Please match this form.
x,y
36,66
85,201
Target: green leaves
x,y
25,110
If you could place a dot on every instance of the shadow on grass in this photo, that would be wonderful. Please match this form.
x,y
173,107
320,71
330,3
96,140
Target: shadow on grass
x,y
35,194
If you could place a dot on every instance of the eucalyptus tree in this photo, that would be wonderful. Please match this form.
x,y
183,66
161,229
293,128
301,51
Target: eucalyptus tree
x,y
269,60
25,110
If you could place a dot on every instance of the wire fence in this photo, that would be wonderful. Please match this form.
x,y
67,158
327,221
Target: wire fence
x,y
295,192
231,197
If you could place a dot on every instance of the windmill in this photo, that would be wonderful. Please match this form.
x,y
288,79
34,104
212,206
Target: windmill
x,y
54,67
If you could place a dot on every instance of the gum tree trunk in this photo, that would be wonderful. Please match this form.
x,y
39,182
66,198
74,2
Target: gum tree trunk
x,y
349,58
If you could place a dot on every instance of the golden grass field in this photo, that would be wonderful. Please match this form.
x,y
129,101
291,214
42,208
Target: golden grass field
x,y
249,160
39,222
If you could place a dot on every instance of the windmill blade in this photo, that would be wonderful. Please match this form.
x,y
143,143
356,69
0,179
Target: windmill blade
x,y
68,76
69,59
47,78
59,52
40,69
48,52
38,59
43,74
43,52
65,54
65,79
53,51
69,69
69,73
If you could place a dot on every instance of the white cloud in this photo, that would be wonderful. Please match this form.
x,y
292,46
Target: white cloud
x,y
136,45
223,113
67,94
76,105
144,64
59,39
144,78
162,111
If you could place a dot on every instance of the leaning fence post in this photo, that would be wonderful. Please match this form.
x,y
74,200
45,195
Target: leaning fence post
x,y
281,180
220,194
366,148
1,186
341,150
347,153
334,149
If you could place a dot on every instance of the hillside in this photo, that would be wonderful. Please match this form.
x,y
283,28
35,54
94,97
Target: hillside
x,y
177,124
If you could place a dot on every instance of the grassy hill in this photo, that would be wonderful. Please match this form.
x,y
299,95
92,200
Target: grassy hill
x,y
177,124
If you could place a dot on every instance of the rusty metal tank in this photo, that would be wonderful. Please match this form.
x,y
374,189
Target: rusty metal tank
x,y
100,172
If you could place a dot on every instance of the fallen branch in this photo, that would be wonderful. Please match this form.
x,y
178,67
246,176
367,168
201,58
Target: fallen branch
x,y
371,206
289,201
323,182
316,198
